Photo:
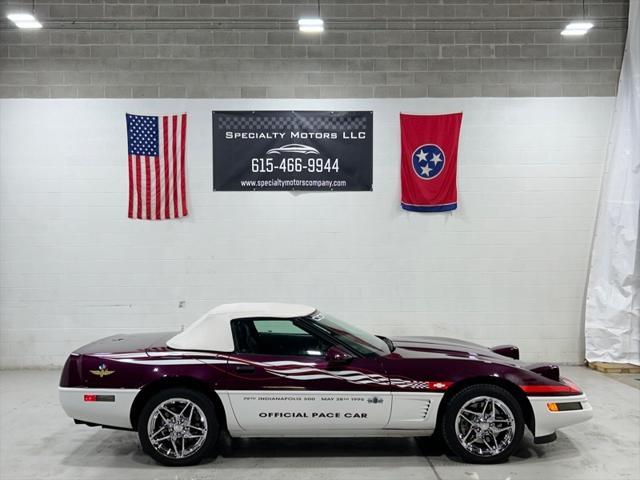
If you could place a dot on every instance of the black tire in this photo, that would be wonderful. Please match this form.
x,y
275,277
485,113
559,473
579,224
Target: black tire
x,y
511,439
205,448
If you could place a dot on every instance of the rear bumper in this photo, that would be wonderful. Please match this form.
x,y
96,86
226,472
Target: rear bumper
x,y
547,421
112,407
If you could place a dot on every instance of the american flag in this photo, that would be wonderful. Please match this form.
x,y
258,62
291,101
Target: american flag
x,y
157,187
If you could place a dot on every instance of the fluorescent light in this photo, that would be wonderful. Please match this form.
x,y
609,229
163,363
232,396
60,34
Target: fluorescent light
x,y
573,33
21,17
576,29
24,20
311,25
34,24
579,26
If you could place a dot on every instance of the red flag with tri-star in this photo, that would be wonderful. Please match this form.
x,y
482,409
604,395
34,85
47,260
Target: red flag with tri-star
x,y
428,166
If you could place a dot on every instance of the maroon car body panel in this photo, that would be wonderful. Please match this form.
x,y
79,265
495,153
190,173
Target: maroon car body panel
x,y
417,363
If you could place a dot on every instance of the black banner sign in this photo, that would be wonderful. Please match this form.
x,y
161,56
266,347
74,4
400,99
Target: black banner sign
x,y
282,150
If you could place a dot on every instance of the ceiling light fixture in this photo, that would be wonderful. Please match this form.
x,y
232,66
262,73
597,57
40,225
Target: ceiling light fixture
x,y
312,24
24,20
576,29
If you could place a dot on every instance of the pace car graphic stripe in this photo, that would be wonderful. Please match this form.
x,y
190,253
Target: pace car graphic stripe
x,y
344,373
318,376
304,377
284,363
173,361
294,370
159,354
179,353
351,376
122,355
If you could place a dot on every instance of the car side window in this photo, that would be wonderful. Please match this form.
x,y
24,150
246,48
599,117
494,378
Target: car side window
x,y
284,327
276,337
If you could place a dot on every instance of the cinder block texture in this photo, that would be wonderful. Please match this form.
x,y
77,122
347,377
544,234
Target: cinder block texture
x,y
251,48
509,266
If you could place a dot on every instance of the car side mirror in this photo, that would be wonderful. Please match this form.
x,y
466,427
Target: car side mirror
x,y
335,356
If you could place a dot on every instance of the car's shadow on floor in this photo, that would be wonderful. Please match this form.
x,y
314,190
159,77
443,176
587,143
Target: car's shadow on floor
x,y
321,447
119,449
432,448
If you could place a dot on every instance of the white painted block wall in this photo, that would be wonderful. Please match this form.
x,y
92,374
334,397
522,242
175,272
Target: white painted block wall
x,y
508,266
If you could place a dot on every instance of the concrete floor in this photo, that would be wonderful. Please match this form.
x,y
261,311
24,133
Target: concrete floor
x,y
38,441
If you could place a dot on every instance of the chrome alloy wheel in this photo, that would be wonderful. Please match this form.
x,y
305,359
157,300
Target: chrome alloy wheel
x,y
177,428
485,426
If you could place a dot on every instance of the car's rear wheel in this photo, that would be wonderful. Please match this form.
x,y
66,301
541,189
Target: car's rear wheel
x,y
178,427
483,424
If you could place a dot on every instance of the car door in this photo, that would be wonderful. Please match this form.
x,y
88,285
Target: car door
x,y
284,383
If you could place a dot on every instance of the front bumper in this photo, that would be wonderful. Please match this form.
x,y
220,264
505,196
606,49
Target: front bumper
x,y
547,421
109,407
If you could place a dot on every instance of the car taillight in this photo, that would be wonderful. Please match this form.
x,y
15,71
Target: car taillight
x,y
551,389
569,383
99,398
72,372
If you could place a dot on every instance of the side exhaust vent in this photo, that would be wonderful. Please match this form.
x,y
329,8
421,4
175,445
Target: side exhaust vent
x,y
425,410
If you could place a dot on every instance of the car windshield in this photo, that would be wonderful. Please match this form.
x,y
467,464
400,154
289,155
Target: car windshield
x,y
359,340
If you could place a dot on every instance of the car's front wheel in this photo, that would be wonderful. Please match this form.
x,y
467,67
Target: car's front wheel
x,y
483,424
178,427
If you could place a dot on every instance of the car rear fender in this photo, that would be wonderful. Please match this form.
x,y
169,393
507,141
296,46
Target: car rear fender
x,y
171,382
512,388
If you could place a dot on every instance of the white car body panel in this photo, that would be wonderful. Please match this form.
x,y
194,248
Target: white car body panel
x,y
264,411
113,414
337,414
414,410
547,422
304,413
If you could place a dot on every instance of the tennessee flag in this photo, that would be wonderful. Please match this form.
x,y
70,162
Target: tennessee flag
x,y
429,161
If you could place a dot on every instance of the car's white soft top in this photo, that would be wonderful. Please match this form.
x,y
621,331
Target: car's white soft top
x,y
212,331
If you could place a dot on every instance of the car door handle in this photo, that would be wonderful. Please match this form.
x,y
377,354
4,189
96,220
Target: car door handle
x,y
245,369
